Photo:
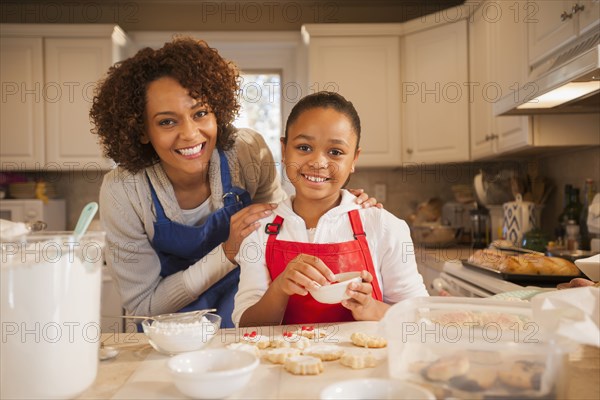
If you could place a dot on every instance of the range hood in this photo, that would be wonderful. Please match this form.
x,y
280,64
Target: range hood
x,y
570,84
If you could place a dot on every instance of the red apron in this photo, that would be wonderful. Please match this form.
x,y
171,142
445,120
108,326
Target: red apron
x,y
339,257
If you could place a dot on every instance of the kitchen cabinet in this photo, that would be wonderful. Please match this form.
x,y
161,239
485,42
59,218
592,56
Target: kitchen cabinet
x,y
553,24
363,69
434,100
22,136
54,69
497,67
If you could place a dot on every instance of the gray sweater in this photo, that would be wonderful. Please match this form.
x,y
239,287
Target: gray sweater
x,y
127,213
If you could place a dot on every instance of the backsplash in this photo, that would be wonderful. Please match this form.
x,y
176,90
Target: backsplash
x,y
406,187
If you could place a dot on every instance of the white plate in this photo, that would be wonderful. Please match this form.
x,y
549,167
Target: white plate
x,y
375,389
590,267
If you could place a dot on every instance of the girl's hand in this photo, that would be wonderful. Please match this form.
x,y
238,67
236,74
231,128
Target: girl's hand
x,y
243,223
302,273
364,199
363,306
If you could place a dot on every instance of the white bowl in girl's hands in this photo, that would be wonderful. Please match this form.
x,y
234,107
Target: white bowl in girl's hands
x,y
335,292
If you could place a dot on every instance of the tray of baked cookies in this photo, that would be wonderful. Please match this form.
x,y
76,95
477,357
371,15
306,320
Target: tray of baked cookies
x,y
472,348
523,267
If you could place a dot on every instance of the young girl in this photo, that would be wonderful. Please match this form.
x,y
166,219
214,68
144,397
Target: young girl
x,y
320,232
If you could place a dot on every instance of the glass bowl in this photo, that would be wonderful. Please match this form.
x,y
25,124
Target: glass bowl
x,y
170,335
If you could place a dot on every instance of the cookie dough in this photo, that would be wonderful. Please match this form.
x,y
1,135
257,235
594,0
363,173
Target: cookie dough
x,y
364,340
303,365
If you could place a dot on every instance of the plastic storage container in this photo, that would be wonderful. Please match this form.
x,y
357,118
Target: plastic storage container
x,y
50,310
472,348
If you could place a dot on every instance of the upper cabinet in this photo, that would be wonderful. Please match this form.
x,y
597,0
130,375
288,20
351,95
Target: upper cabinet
x,y
22,124
363,69
54,70
434,95
553,24
498,66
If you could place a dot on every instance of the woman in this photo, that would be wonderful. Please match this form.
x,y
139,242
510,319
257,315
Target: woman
x,y
187,180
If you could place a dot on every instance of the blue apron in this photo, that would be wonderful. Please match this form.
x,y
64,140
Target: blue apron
x,y
178,246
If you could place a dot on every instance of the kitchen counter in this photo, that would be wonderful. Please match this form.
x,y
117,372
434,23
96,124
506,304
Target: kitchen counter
x,y
430,262
140,372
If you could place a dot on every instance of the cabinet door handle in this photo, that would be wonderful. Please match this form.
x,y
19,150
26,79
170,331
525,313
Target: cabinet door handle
x,y
488,138
493,136
565,16
409,150
576,8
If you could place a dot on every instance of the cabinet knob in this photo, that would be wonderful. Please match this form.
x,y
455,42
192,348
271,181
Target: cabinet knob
x,y
577,7
488,138
565,16
409,150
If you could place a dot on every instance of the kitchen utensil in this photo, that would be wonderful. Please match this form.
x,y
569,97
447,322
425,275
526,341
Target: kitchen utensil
x,y
335,292
480,189
213,373
519,217
50,289
480,227
168,317
521,279
169,335
85,218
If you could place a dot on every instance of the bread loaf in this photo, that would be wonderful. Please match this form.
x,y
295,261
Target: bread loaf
x,y
523,264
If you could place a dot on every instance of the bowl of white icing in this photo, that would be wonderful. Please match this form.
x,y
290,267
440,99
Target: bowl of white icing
x,y
170,335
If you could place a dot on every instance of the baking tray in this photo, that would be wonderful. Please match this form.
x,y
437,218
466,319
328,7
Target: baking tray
x,y
520,278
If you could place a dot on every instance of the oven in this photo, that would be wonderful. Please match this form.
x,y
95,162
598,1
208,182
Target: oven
x,y
458,280
52,212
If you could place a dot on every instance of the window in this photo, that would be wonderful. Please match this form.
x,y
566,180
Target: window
x,y
260,100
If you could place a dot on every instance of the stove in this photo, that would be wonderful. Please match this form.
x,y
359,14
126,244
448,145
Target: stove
x,y
458,280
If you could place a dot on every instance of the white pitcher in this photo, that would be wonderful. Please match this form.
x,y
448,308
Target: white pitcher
x,y
519,217
50,303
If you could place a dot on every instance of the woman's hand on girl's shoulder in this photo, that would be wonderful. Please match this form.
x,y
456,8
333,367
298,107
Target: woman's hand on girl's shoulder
x,y
364,199
242,224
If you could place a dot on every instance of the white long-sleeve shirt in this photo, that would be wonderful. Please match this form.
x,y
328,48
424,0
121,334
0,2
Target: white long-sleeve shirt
x,y
389,241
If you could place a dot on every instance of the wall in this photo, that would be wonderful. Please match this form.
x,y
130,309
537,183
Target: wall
x,y
406,187
572,167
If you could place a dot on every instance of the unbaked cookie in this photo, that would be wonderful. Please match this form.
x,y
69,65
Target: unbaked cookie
x,y
326,352
356,360
303,365
279,355
364,340
523,375
249,348
311,332
445,368
477,379
260,341
291,339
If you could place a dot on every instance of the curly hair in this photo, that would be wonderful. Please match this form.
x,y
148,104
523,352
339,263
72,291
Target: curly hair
x,y
118,109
